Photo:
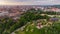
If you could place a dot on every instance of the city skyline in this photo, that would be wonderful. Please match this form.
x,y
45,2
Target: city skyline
x,y
29,2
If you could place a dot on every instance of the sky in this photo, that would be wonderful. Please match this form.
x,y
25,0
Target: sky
x,y
29,2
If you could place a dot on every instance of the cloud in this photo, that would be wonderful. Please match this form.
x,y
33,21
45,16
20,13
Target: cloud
x,y
29,2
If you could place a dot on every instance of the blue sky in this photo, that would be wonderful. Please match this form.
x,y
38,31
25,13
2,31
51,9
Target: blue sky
x,y
29,2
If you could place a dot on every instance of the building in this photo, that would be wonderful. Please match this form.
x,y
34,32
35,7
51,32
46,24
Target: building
x,y
4,13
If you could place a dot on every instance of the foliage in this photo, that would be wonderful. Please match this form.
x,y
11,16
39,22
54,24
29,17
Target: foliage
x,y
8,25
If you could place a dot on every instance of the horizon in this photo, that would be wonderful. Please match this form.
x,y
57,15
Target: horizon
x,y
29,5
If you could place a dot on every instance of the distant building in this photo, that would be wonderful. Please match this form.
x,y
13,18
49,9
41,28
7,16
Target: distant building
x,y
3,13
52,9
